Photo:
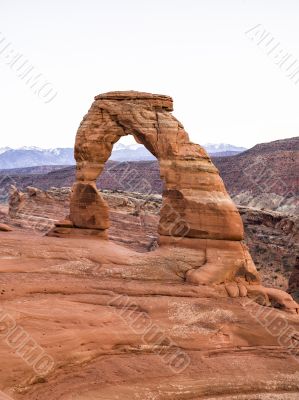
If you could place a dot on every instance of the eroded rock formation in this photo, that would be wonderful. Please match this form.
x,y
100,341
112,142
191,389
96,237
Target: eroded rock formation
x,y
195,202
272,237
110,322
36,209
294,281
5,228
196,212
109,317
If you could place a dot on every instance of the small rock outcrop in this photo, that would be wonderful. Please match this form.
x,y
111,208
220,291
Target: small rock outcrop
x,y
5,228
294,281
36,209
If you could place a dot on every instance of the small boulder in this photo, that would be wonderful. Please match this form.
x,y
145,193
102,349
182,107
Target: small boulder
x,y
64,224
5,228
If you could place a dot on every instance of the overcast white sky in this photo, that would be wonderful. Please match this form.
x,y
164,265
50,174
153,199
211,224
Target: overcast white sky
x,y
225,88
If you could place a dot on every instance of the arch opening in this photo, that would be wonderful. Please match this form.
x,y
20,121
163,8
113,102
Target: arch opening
x,y
132,188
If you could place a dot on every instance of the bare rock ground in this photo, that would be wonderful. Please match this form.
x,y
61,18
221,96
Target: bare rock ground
x,y
113,323
272,237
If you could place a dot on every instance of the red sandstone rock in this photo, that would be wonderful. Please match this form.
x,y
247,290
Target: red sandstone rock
x,y
64,224
78,299
294,281
196,212
195,204
5,228
88,209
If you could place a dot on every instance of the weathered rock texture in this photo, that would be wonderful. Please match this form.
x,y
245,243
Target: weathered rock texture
x,y
197,212
273,240
5,228
112,320
36,209
294,281
133,216
265,177
272,237
196,206
195,202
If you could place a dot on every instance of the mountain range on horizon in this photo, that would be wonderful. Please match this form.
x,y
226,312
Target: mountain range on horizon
x,y
264,177
30,156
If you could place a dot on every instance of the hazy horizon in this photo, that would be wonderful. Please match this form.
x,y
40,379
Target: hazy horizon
x,y
128,140
226,88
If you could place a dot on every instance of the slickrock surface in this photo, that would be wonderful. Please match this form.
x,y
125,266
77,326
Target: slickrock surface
x,y
80,299
271,237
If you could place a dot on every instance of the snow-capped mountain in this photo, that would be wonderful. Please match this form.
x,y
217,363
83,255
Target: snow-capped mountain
x,y
30,148
132,146
35,156
4,149
130,152
213,148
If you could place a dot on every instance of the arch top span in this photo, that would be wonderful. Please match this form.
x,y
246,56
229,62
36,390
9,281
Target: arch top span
x,y
154,100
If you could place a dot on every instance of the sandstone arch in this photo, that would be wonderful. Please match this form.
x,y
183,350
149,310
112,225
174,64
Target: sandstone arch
x,y
197,211
195,201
